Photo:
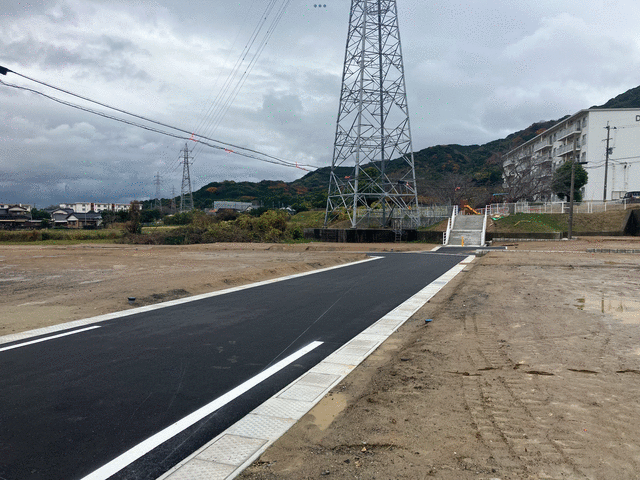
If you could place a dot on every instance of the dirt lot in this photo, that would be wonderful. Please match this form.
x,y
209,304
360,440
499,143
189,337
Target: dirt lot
x,y
530,369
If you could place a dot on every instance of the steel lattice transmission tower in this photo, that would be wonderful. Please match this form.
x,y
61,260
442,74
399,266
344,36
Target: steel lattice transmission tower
x,y
173,200
186,197
373,124
157,182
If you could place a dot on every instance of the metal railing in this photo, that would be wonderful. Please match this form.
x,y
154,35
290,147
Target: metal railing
x,y
450,222
555,207
570,147
572,130
484,229
542,145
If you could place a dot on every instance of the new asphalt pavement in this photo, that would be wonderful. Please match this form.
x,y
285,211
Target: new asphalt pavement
x,y
76,400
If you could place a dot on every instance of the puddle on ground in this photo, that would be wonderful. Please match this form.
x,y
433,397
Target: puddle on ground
x,y
328,409
622,308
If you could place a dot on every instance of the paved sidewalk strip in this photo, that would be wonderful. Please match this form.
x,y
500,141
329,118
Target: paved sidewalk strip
x,y
227,455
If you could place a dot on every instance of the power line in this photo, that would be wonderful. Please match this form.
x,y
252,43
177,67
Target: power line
x,y
192,136
221,105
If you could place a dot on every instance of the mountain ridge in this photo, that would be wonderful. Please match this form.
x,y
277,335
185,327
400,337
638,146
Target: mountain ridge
x,y
440,170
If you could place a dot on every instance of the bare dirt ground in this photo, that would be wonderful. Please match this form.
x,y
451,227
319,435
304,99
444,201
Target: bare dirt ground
x,y
530,368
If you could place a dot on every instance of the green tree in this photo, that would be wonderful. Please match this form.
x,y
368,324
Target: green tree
x,y
149,216
40,214
561,184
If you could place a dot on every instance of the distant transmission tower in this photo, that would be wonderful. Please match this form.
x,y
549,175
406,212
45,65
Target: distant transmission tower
x,y
186,197
173,199
157,182
373,125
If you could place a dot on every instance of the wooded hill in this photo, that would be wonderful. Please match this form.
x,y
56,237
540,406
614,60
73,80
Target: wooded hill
x,y
440,170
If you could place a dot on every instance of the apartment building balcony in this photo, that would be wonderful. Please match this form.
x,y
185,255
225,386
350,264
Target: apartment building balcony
x,y
542,156
546,162
509,161
567,149
568,132
544,145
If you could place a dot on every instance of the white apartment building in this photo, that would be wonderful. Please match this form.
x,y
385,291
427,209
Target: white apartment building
x,y
85,207
528,168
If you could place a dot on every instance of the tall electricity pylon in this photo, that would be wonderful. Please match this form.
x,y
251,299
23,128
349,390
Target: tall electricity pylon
x,y
186,197
157,182
373,125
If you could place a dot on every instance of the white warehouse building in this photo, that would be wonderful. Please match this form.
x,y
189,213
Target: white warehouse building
x,y
528,168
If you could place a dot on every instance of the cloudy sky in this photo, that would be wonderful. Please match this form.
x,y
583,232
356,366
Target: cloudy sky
x,y
475,72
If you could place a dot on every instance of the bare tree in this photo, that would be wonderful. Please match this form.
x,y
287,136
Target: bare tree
x,y
528,179
450,189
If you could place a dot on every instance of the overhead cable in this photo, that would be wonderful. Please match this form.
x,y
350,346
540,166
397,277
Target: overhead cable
x,y
268,159
192,136
230,91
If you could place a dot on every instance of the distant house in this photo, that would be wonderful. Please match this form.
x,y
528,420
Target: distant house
x,y
59,217
66,217
84,220
24,206
17,216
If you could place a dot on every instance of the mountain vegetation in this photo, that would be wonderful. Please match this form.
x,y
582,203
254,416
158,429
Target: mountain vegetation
x,y
445,174
628,99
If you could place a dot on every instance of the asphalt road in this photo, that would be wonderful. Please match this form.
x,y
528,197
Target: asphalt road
x,y
73,403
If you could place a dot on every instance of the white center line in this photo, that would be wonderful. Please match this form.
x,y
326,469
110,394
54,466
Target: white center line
x,y
10,347
153,441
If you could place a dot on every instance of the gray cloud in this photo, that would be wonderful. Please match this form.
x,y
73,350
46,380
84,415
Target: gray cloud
x,y
475,72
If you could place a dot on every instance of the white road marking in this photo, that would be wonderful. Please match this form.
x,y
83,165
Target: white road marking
x,y
47,338
153,441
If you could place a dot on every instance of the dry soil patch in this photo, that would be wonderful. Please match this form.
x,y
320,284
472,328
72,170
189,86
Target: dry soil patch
x,y
530,369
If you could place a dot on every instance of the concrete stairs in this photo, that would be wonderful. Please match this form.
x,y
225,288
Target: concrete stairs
x,y
468,227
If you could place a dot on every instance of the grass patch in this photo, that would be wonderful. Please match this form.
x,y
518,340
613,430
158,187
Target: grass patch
x,y
604,222
441,226
159,228
309,219
271,227
532,223
56,237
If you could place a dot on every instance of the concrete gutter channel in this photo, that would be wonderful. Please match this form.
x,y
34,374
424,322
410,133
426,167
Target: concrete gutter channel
x,y
228,454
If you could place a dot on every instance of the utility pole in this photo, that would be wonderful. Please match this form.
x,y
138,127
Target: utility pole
x,y
186,197
606,163
158,205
